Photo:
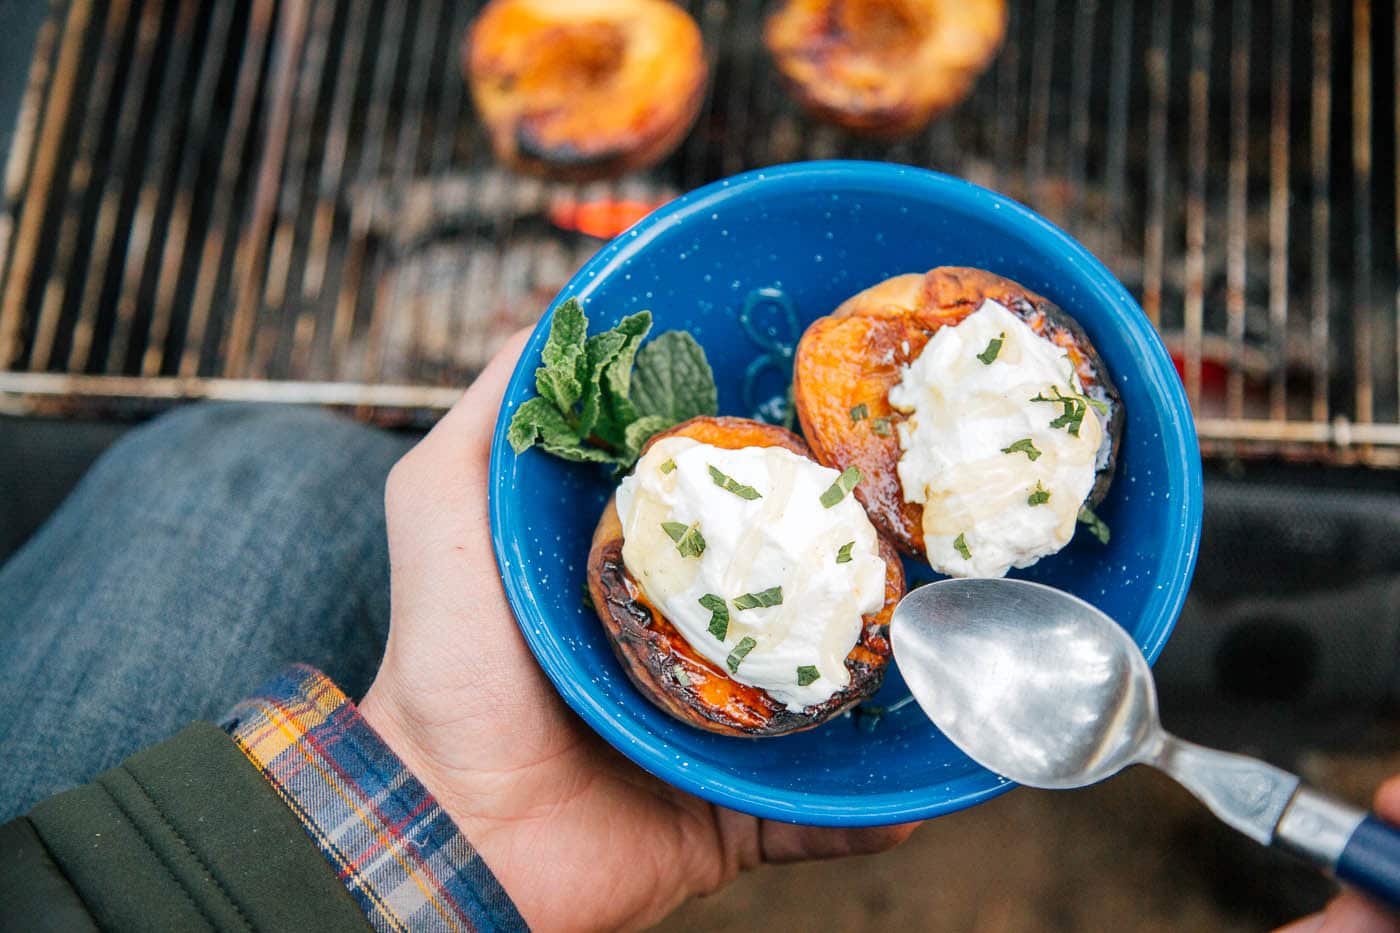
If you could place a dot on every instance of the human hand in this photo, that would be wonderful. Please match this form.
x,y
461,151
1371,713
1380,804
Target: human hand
x,y
576,834
1350,912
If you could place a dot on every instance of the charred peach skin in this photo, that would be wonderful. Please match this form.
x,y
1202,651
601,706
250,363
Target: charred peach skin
x,y
653,652
883,67
854,357
585,89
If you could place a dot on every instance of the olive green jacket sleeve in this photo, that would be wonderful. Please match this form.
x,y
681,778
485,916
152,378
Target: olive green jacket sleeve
x,y
187,835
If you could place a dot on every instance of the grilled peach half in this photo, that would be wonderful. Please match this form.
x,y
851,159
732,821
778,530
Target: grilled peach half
x,y
854,356
585,89
883,67
677,678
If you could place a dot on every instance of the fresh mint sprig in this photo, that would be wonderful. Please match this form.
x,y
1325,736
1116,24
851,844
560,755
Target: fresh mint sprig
x,y
601,397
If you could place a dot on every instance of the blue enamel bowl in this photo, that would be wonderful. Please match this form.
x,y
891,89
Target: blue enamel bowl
x,y
745,264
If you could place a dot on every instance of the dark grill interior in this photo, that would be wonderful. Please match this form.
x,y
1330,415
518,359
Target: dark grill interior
x,y
293,200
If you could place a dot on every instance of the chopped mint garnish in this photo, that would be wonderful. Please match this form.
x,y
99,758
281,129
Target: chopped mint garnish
x,y
807,674
1096,525
1074,407
843,556
1023,446
993,348
773,596
881,426
741,651
1039,495
688,539
860,413
843,485
719,615
668,467
960,545
729,484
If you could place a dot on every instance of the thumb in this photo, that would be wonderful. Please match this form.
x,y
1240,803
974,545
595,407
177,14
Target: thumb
x,y
467,427
445,591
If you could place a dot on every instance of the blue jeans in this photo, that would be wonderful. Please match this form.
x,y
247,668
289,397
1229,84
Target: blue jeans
x,y
200,555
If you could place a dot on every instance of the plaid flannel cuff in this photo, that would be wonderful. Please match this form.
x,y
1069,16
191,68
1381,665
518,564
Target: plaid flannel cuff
x,y
389,842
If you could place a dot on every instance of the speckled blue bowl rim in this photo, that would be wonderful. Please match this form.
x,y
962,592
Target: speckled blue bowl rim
x,y
1176,558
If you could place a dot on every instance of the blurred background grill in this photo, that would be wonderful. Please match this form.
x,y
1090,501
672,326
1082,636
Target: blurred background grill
x,y
293,201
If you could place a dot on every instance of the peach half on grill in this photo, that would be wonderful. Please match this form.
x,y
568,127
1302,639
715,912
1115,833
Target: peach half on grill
x,y
883,67
586,89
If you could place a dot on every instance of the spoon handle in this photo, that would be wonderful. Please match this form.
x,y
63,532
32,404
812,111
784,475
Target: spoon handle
x,y
1272,807
1356,846
1245,793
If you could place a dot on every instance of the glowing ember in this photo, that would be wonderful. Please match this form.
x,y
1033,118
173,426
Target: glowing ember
x,y
603,219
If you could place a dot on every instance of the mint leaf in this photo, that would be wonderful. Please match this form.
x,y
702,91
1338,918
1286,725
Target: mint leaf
x,y
960,545
741,651
673,379
730,484
600,350
580,454
844,484
1097,527
989,355
538,421
719,615
773,596
560,379
640,431
1023,446
688,539
613,372
843,556
807,674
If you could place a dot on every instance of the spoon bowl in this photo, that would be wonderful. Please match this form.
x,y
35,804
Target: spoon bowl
x,y
1033,683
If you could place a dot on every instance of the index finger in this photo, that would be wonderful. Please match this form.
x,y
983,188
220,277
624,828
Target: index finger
x,y
1387,800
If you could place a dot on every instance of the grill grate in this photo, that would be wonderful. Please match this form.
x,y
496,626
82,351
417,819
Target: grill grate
x,y
227,199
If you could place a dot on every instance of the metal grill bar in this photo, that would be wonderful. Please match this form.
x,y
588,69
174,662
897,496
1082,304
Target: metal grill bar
x,y
1196,198
1116,146
1158,66
20,267
305,101
1237,256
223,214
84,166
1279,196
1361,206
150,220
172,259
18,164
251,257
1321,233
291,199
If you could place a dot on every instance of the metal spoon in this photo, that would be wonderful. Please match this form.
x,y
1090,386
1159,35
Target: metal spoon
x,y
1044,689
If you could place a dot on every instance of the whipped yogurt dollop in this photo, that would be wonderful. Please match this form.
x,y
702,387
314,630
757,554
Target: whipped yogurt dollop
x,y
773,532
1001,474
